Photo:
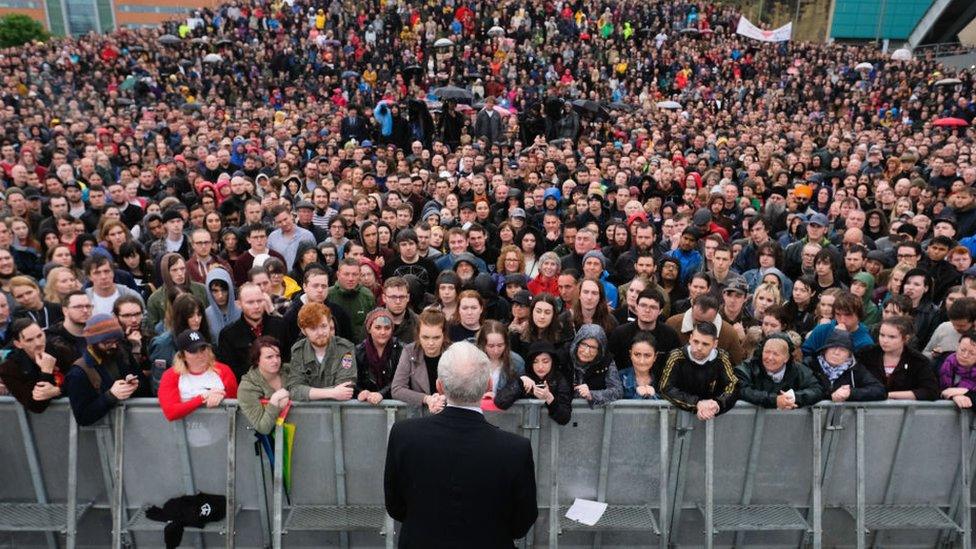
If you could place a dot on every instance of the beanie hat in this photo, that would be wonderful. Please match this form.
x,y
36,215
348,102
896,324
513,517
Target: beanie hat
x,y
375,314
102,327
597,254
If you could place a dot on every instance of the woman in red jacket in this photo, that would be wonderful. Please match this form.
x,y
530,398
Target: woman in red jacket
x,y
196,378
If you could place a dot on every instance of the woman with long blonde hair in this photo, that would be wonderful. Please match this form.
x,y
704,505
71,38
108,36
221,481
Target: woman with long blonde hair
x,y
195,379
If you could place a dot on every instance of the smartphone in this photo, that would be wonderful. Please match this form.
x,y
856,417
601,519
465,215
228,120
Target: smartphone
x,y
131,378
540,385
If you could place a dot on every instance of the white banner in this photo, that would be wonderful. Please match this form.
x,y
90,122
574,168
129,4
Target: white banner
x,y
781,34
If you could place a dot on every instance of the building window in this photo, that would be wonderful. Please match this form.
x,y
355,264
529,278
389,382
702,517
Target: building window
x,y
19,4
136,8
82,17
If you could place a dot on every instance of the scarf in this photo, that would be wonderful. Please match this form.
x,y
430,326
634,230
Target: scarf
x,y
375,361
834,372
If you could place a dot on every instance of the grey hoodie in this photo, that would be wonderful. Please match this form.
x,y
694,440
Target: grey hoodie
x,y
217,318
600,374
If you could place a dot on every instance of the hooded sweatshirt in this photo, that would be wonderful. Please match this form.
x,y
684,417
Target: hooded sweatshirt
x,y
218,318
872,314
600,374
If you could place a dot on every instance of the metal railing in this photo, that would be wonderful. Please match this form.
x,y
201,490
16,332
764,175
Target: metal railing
x,y
822,476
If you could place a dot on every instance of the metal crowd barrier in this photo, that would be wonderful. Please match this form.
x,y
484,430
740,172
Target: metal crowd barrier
x,y
830,475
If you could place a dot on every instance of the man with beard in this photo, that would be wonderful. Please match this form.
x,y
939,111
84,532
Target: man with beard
x,y
643,241
323,366
105,375
775,210
235,339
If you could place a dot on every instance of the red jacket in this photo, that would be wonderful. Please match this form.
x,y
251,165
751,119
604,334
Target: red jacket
x,y
169,392
539,285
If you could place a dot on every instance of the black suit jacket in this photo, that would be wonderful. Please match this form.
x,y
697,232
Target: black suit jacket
x,y
454,480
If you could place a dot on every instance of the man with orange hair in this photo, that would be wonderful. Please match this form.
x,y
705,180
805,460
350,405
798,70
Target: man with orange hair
x,y
323,365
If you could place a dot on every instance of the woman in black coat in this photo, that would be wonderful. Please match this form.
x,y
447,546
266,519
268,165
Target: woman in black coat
x,y
377,357
841,376
543,381
906,373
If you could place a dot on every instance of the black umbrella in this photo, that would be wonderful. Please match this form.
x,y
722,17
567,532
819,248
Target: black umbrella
x,y
168,39
585,106
454,92
224,42
185,63
123,101
618,106
412,70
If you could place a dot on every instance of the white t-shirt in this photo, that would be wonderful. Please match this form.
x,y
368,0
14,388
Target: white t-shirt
x,y
103,304
193,385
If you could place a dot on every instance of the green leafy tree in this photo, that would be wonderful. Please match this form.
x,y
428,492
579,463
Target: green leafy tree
x,y
17,29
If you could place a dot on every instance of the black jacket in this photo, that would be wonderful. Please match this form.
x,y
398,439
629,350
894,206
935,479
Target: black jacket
x,y
365,380
664,336
757,387
684,382
913,373
20,373
561,408
455,480
864,386
236,338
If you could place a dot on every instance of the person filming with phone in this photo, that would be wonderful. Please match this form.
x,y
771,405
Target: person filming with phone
x,y
105,374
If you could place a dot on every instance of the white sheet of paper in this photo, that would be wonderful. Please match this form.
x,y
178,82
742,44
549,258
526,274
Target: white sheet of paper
x,y
791,395
586,511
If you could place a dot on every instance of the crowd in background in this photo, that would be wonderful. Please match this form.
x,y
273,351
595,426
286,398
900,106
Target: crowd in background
x,y
278,201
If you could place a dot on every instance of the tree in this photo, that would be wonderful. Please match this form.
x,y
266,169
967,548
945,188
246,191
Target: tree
x,y
17,29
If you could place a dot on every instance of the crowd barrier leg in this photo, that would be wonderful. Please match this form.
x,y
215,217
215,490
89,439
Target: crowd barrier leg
x,y
71,508
531,416
684,426
389,525
259,472
554,487
709,484
965,429
340,468
231,516
663,484
34,465
186,466
816,490
118,494
601,486
276,520
860,522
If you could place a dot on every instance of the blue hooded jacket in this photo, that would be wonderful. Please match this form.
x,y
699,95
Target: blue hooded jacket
x,y
217,318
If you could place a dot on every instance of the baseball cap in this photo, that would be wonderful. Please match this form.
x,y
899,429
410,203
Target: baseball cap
x,y
737,284
818,219
191,341
523,298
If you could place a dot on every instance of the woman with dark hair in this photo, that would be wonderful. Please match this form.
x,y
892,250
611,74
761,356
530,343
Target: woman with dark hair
x,y
186,313
446,290
377,357
172,270
84,245
876,225
307,255
262,394
802,305
638,381
917,286
230,244
133,259
905,372
545,324
542,380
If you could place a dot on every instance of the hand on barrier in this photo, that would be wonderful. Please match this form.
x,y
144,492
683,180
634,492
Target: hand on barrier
x,y
45,391
584,391
279,399
785,402
435,403
963,401
527,384
343,391
370,397
842,394
707,409
645,391
213,398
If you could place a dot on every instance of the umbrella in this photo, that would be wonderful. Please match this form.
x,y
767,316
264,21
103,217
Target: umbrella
x,y
349,74
332,43
128,83
443,43
497,108
669,105
618,106
950,122
864,66
224,42
212,58
453,92
187,107
902,54
690,30
948,82
496,31
185,63
464,109
168,39
413,70
200,40
586,106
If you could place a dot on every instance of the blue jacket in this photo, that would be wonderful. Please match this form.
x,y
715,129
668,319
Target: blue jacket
x,y
690,262
90,404
818,336
629,380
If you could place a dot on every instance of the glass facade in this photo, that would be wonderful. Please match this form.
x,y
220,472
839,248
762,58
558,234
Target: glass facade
x,y
876,19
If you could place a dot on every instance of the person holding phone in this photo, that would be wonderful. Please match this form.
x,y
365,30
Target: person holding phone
x,y
543,381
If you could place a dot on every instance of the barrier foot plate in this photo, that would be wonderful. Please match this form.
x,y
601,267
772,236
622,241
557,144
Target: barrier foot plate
x,y
37,517
904,517
729,518
335,518
616,517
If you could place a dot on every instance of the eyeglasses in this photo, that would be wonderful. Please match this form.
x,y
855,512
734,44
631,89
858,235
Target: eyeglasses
x,y
587,346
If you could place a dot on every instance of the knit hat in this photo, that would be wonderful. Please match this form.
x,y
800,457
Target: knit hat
x,y
597,254
102,327
375,314
837,338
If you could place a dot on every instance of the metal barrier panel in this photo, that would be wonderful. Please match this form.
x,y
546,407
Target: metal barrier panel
x,y
908,466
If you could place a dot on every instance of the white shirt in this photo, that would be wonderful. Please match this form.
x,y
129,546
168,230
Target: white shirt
x,y
194,385
103,304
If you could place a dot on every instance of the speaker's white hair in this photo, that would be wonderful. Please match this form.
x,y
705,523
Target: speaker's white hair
x,y
464,371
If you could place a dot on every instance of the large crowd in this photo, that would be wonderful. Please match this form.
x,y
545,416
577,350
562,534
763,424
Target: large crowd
x,y
277,201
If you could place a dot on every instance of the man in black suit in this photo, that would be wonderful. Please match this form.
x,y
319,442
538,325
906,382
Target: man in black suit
x,y
453,479
353,126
